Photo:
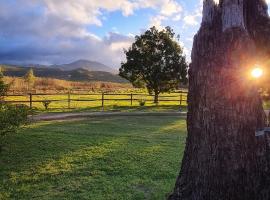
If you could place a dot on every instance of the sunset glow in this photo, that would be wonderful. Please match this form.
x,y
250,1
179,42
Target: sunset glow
x,y
257,72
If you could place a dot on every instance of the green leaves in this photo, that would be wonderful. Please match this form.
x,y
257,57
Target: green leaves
x,y
155,61
12,117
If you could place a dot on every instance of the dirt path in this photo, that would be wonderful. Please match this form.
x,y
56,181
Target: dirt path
x,y
72,116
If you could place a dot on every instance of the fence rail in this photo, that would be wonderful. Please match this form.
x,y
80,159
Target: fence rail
x,y
101,99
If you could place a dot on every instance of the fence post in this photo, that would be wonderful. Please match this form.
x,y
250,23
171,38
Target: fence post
x,y
131,98
69,100
30,100
181,98
102,99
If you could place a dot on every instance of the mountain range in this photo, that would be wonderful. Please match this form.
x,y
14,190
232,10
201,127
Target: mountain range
x,y
78,64
81,70
87,65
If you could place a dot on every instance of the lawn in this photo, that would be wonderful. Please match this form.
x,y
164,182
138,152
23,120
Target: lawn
x,y
266,105
97,158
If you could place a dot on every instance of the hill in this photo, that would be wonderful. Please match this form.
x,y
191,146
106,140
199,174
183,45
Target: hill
x,y
58,73
87,65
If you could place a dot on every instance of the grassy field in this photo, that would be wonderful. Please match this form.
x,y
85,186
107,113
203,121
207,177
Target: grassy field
x,y
266,105
98,158
93,102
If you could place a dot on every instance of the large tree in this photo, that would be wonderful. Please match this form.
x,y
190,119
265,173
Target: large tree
x,y
223,159
155,60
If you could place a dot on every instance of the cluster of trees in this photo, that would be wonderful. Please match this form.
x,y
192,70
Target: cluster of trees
x,y
11,116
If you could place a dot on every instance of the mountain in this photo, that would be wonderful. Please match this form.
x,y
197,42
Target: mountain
x,y
87,65
58,73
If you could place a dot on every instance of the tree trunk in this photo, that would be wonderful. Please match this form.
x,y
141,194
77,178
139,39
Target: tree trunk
x,y
156,97
223,159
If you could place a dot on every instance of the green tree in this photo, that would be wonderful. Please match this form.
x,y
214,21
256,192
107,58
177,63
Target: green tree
x,y
156,61
30,78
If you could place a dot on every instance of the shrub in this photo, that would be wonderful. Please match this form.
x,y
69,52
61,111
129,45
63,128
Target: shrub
x,y
11,117
46,104
142,102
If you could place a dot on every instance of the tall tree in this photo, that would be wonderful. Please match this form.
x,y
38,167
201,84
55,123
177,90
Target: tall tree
x,y
30,78
223,159
156,61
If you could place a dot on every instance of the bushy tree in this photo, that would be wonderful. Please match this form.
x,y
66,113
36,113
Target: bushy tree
x,y
30,78
156,61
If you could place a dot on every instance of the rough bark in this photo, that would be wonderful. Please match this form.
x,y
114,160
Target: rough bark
x,y
156,97
223,159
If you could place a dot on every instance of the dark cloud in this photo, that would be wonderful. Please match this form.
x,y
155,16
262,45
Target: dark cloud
x,y
29,34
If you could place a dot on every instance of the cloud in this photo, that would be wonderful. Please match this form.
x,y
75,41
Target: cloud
x,y
177,17
56,31
88,12
157,21
108,50
191,20
169,10
51,32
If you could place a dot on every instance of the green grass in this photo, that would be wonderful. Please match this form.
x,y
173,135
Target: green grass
x,y
97,158
266,105
115,108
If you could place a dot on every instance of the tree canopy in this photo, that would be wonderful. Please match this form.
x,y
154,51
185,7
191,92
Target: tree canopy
x,y
155,61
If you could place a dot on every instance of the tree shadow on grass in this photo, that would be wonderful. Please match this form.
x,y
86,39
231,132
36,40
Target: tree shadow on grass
x,y
119,108
94,158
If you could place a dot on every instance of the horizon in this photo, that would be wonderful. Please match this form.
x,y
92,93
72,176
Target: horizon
x,y
61,32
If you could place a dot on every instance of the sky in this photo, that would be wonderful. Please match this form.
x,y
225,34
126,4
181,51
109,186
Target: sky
x,y
62,31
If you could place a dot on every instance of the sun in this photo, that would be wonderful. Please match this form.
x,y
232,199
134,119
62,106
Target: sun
x,y
257,72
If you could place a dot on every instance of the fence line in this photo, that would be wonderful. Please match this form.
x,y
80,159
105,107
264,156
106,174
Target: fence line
x,y
179,97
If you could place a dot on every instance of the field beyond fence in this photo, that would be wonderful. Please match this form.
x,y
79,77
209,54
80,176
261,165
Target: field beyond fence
x,y
88,100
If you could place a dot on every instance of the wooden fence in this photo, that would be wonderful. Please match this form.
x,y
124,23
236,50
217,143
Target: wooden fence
x,y
176,98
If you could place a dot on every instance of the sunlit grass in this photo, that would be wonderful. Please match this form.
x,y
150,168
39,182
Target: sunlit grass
x,y
266,105
121,102
98,158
